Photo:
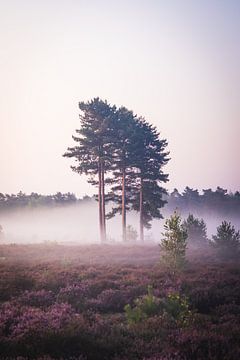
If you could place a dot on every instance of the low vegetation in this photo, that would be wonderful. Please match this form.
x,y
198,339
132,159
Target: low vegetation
x,y
117,302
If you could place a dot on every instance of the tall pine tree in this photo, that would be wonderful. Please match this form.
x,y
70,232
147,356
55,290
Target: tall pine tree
x,y
93,152
149,158
114,140
122,180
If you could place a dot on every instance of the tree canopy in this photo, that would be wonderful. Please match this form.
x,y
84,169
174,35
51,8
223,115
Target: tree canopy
x,y
128,150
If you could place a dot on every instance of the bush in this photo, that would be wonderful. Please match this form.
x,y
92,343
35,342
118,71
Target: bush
x,y
174,305
178,308
146,306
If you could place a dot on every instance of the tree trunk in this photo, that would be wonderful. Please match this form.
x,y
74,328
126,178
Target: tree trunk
x,y
100,199
124,235
103,203
141,211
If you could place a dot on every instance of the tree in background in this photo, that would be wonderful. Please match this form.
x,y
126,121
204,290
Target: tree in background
x,y
174,243
196,229
93,152
190,198
34,200
227,241
228,205
213,203
212,200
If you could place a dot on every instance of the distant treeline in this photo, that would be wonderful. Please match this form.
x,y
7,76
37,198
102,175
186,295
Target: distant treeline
x,y
219,201
33,200
210,202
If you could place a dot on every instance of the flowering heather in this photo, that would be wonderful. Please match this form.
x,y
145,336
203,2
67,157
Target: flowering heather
x,y
54,309
39,298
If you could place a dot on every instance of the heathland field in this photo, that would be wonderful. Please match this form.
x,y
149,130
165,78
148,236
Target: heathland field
x,y
116,302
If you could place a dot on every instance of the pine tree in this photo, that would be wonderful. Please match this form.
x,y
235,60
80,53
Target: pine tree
x,y
149,157
174,243
196,229
227,241
122,180
93,152
117,141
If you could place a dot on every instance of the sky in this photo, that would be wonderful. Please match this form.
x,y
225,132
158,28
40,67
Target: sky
x,y
174,62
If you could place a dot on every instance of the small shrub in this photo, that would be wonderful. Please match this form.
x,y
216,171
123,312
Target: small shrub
x,y
178,308
174,305
146,306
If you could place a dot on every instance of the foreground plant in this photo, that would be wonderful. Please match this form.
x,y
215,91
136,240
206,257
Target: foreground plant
x,y
174,243
145,307
178,308
175,306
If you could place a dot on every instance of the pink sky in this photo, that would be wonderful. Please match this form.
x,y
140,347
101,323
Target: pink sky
x,y
175,63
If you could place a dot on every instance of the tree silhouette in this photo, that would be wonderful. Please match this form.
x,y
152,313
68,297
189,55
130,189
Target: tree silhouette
x,y
123,174
149,158
196,229
114,140
227,241
93,152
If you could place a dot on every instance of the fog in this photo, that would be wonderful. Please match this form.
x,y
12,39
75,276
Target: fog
x,y
63,224
75,223
79,224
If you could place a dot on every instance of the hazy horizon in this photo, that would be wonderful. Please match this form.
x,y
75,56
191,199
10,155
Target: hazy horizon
x,y
78,224
175,63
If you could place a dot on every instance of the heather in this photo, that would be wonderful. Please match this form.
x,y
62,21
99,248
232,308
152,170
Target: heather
x,y
116,302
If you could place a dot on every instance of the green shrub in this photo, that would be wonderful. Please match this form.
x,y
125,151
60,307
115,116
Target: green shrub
x,y
174,243
147,306
178,308
174,305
